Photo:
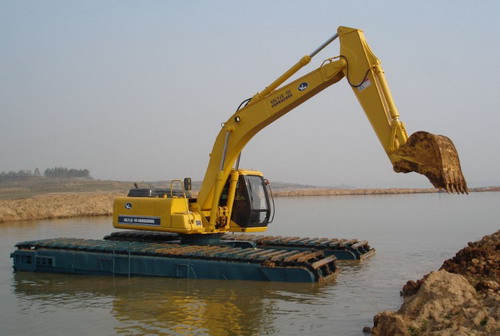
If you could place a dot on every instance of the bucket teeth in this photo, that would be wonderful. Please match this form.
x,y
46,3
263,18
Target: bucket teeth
x,y
434,156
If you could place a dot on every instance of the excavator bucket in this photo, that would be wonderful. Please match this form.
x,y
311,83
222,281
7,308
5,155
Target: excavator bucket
x,y
434,156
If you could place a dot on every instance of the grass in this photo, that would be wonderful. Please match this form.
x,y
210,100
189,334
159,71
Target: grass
x,y
40,186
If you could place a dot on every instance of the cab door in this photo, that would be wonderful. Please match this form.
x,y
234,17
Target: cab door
x,y
251,207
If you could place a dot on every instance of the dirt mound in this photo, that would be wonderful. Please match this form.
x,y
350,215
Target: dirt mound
x,y
445,304
462,298
479,262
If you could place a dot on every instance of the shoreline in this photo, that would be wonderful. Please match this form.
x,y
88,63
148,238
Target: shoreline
x,y
363,192
90,204
461,298
52,206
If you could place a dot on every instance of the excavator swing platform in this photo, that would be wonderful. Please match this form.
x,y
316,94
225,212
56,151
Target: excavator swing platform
x,y
171,233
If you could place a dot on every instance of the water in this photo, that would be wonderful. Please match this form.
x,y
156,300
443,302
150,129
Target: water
x,y
413,235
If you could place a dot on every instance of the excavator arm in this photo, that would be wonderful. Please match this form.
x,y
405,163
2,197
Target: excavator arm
x,y
431,155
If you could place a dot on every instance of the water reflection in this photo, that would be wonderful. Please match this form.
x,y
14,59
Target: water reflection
x,y
168,306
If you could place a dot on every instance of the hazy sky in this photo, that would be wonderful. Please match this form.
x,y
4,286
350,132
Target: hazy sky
x,y
137,90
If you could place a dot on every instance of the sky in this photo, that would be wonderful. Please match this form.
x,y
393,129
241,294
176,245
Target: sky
x,y
137,90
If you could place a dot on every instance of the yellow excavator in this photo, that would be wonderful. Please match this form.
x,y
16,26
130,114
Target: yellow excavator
x,y
236,200
173,234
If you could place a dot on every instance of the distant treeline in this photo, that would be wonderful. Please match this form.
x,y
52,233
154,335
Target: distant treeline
x,y
57,172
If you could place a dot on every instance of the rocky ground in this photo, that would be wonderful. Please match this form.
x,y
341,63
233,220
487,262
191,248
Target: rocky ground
x,y
462,298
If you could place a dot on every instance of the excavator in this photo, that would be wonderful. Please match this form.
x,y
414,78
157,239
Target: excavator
x,y
232,199
236,200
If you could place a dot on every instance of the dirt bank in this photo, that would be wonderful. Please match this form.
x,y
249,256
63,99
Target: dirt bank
x,y
346,192
462,298
57,206
285,192
75,203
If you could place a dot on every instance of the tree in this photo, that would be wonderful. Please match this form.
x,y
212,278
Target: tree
x,y
60,172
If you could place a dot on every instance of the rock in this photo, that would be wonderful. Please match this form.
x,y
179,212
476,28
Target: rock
x,y
487,285
389,324
411,287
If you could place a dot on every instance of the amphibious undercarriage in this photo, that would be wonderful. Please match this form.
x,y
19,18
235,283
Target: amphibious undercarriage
x,y
235,257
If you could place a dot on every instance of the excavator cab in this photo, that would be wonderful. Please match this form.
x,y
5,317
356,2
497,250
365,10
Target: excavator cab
x,y
252,201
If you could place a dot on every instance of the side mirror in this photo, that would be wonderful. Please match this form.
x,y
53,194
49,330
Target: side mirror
x,y
187,183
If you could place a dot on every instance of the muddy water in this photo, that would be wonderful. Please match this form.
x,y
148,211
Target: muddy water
x,y
413,234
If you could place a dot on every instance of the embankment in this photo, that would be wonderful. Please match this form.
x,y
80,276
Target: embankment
x,y
57,206
347,192
354,192
462,298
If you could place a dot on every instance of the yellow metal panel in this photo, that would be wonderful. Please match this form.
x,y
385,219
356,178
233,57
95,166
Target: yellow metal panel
x,y
178,205
182,222
142,213
155,214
